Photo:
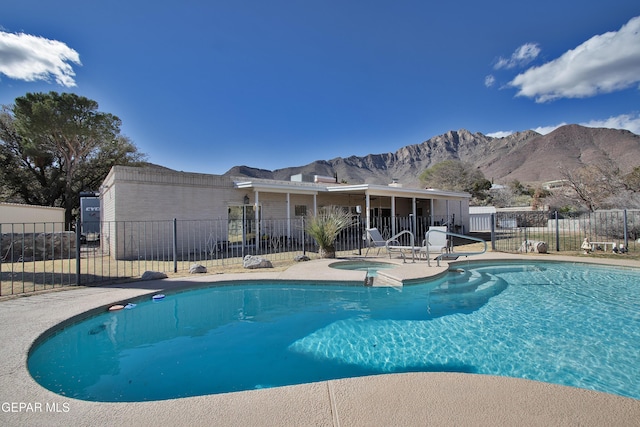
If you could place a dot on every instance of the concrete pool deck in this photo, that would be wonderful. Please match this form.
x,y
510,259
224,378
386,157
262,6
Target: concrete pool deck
x,y
412,399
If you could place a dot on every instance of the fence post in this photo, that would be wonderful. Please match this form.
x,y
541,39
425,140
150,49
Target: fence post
x,y
78,229
557,232
175,245
493,232
304,238
626,233
359,236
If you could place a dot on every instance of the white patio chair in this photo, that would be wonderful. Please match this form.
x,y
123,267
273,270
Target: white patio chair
x,y
435,240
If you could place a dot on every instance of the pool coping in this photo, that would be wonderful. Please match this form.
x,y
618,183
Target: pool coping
x,y
394,399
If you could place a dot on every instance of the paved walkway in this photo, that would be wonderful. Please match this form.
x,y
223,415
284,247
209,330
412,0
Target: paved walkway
x,y
413,399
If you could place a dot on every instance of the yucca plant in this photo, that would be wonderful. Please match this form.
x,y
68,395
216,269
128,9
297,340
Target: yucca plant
x,y
325,226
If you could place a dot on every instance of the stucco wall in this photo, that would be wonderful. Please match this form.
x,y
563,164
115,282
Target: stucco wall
x,y
145,194
138,206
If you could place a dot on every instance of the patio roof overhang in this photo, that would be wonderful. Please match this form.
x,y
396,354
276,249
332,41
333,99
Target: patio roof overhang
x,y
278,187
273,186
390,191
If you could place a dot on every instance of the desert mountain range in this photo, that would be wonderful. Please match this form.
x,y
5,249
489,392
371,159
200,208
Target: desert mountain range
x,y
528,157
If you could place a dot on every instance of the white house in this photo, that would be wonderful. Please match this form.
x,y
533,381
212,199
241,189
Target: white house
x,y
133,194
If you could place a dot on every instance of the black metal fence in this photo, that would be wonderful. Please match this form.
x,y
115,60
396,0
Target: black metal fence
x,y
42,256
36,257
566,232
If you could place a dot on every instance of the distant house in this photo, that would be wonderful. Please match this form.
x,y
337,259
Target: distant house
x,y
552,185
480,218
131,194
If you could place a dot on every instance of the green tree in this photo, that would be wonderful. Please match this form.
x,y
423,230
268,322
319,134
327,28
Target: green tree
x,y
26,175
520,189
56,145
455,175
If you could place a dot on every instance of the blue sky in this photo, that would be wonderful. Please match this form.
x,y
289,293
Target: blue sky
x,y
202,86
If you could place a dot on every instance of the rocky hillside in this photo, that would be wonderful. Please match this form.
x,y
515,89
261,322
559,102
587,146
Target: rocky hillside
x,y
524,156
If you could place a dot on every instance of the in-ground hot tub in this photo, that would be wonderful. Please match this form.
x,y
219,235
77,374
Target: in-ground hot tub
x,y
371,267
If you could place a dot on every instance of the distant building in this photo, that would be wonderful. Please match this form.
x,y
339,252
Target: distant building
x,y
30,218
480,218
558,183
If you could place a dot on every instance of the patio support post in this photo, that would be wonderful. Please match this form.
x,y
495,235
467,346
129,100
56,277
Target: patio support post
x,y
315,204
256,213
288,218
393,215
431,211
367,202
447,221
414,228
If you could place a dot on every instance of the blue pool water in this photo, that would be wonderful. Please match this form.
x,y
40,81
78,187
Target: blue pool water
x,y
562,323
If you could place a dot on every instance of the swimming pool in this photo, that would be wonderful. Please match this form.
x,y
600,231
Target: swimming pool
x,y
571,324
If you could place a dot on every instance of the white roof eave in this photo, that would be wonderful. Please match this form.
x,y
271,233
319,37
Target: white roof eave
x,y
374,190
382,190
276,187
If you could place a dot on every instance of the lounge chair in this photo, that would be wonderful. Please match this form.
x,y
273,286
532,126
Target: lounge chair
x,y
435,241
391,245
375,239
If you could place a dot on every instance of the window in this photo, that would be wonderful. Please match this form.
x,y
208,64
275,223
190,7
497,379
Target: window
x,y
301,210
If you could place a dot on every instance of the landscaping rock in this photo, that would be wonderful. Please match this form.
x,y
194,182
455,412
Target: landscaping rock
x,y
153,275
252,261
301,258
533,246
197,268
19,247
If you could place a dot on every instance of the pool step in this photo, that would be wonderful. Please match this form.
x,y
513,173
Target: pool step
x,y
465,281
382,280
465,297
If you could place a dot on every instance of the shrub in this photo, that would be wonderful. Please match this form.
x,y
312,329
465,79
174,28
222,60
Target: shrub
x,y
325,227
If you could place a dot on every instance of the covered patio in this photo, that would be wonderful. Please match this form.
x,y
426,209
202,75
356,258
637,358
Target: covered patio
x,y
390,208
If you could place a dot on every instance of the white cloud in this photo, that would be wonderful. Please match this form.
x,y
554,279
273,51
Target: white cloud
x,y
543,130
500,133
630,122
603,64
30,58
521,57
489,80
